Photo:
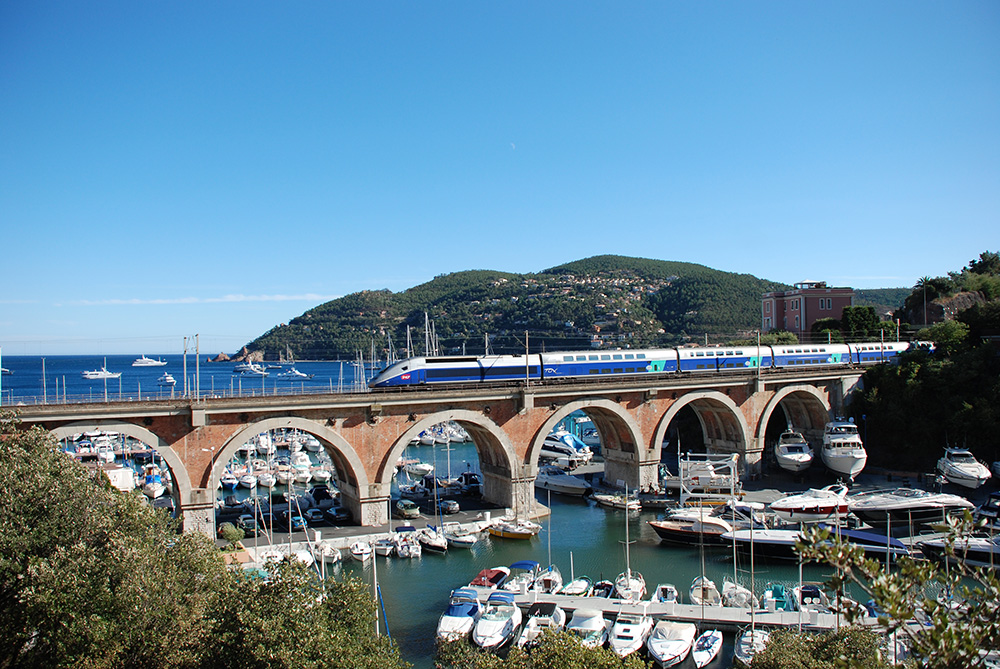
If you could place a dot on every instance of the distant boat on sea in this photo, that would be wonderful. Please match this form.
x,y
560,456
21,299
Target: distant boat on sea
x,y
143,361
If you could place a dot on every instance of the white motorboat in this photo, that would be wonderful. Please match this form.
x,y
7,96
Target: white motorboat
x,y
704,592
499,622
810,597
793,451
542,616
560,453
458,536
266,479
629,633
166,379
623,502
843,452
813,505
590,626
973,551
322,475
514,529
98,374
555,441
560,481
706,647
961,468
521,576
407,545
665,593
905,507
361,551
670,642
462,614
228,480
491,578
327,552
105,454
293,374
418,469
384,547
750,642
284,474
250,369
143,361
248,481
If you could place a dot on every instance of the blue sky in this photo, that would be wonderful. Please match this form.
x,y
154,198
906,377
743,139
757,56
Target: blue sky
x,y
172,168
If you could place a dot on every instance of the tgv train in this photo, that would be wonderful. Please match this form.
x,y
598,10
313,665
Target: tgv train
x,y
587,364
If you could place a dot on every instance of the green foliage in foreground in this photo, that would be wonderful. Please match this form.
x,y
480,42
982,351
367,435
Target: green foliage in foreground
x,y
91,577
853,647
957,604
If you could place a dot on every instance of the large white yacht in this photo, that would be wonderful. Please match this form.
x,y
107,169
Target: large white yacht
x,y
905,507
843,452
961,468
143,361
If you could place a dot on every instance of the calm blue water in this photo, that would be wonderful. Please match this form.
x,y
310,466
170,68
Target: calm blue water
x,y
62,377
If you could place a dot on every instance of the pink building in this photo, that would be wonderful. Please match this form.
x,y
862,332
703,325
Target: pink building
x,y
796,310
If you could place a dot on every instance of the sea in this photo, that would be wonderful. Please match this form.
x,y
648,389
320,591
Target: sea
x,y
578,536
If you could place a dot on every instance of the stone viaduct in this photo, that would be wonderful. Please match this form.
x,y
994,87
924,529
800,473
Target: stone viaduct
x,y
366,433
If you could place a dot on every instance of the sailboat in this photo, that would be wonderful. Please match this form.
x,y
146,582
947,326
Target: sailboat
x,y
709,642
752,640
630,585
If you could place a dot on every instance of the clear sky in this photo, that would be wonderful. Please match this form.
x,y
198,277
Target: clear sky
x,y
171,167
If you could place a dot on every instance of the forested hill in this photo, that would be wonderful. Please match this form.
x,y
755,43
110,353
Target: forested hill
x,y
621,300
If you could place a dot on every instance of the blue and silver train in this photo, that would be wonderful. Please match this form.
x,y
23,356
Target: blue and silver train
x,y
420,370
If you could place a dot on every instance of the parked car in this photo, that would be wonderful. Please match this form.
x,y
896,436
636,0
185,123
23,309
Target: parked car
x,y
248,524
315,517
295,522
448,506
337,515
407,508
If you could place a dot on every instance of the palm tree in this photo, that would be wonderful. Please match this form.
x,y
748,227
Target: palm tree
x,y
922,283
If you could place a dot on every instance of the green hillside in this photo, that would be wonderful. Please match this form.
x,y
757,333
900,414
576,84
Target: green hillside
x,y
619,300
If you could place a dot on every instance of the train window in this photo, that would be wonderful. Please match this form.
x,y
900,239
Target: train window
x,y
640,356
629,356
616,356
700,354
605,357
739,352
581,357
567,358
592,357
618,370
593,371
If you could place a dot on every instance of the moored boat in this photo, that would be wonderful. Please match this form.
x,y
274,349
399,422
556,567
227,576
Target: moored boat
x,y
166,379
557,480
629,633
541,617
590,627
143,361
813,505
750,642
901,508
491,578
612,501
793,452
670,642
499,622
361,551
704,592
843,452
461,616
665,593
514,529
706,647
973,551
960,467
578,587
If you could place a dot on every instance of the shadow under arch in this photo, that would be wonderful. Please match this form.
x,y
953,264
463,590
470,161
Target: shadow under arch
x,y
497,459
617,427
179,473
350,471
806,408
722,423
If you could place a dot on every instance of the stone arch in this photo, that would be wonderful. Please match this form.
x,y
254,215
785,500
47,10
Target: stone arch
x,y
351,474
806,408
497,459
618,429
179,473
721,420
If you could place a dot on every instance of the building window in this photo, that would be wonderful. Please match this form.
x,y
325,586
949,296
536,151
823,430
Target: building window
x,y
796,322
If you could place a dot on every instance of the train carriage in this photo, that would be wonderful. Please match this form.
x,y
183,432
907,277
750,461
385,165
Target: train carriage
x,y
811,355
721,359
872,353
586,364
